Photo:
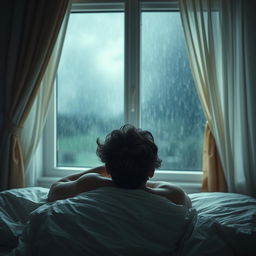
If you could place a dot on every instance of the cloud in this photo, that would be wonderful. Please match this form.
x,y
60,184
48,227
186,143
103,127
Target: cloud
x,y
91,74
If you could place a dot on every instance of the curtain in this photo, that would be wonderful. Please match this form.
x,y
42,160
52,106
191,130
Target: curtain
x,y
34,124
213,176
29,30
220,39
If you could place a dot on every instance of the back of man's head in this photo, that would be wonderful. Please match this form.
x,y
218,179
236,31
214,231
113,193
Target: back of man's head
x,y
129,155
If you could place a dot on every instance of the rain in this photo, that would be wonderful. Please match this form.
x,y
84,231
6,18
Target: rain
x,y
90,89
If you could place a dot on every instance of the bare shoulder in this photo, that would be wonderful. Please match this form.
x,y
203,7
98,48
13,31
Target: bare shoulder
x,y
170,191
92,181
67,187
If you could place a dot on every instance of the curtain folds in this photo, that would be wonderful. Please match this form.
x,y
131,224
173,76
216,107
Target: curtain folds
x,y
34,125
30,29
220,38
213,175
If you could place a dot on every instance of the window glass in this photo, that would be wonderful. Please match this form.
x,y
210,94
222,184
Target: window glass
x,y
170,108
90,86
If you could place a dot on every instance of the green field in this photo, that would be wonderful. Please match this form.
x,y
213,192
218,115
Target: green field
x,y
80,151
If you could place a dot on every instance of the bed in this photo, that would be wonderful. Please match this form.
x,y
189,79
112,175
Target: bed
x,y
218,224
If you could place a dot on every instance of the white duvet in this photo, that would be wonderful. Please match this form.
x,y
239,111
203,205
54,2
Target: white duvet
x,y
226,225
106,221
111,221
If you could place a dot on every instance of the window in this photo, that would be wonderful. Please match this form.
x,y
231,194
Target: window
x,y
170,108
125,63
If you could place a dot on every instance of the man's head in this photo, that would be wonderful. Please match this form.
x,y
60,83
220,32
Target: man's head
x,y
130,156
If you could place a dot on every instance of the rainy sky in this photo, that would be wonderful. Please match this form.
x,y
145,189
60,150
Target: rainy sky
x,y
91,71
91,80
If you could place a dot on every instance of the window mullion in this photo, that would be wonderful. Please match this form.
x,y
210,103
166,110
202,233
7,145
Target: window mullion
x,y
132,50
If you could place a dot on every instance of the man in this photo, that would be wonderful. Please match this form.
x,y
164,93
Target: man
x,y
130,157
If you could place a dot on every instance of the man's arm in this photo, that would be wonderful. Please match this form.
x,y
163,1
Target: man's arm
x,y
170,191
82,182
100,170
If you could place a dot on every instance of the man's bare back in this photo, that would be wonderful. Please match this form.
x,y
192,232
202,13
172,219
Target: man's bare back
x,y
98,177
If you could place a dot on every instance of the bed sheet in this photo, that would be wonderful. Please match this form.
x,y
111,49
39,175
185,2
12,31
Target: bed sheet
x,y
229,209
225,223
15,208
106,221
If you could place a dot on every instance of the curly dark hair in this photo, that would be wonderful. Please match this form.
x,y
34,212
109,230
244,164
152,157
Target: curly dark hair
x,y
129,155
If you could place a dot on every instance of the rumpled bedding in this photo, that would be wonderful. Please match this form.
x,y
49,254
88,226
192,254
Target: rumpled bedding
x,y
226,225
139,223
15,208
106,221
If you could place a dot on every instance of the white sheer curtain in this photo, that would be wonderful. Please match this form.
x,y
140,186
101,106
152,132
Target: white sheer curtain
x,y
34,125
220,37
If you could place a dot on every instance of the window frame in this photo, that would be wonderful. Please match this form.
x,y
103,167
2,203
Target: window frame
x,y
189,180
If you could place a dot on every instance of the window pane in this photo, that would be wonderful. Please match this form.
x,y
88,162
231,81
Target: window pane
x,y
170,108
90,86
